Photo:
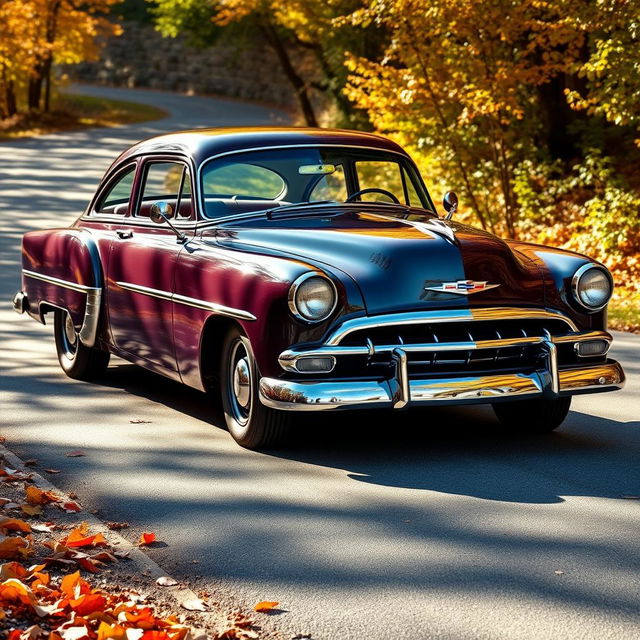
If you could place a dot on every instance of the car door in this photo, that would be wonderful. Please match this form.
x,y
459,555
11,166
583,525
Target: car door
x,y
142,262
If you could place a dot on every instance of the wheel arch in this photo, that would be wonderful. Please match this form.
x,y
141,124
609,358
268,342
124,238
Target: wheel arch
x,y
211,342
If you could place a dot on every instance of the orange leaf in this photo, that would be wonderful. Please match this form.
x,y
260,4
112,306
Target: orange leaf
x,y
88,565
38,496
88,603
73,586
14,547
71,507
12,570
265,605
13,524
155,635
147,538
107,631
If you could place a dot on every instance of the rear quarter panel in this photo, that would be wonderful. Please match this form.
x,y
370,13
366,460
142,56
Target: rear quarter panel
x,y
69,255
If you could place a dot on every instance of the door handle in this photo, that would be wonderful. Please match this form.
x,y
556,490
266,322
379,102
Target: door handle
x,y
124,234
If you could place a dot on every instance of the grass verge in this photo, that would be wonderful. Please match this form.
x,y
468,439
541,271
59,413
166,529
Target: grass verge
x,y
73,111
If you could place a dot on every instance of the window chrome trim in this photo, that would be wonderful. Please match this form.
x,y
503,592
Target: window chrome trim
x,y
575,284
188,301
74,286
206,219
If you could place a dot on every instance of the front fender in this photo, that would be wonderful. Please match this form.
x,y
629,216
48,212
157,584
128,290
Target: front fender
x,y
558,267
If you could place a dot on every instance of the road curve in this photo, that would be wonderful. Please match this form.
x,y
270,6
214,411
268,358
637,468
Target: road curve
x,y
429,524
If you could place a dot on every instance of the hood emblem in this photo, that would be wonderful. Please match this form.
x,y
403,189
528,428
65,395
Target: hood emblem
x,y
462,287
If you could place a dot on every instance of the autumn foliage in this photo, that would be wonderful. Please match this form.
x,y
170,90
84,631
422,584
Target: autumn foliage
x,y
35,35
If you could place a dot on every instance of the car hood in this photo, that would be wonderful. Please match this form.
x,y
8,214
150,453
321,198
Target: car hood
x,y
395,261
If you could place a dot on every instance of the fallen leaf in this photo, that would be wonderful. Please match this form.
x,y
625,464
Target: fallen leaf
x,y
166,581
30,463
139,421
116,526
12,570
147,538
31,509
52,470
41,528
38,496
108,631
14,547
193,605
88,603
558,572
75,454
266,605
11,505
13,524
71,507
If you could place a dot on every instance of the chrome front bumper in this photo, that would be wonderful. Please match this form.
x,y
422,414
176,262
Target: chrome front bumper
x,y
322,395
548,379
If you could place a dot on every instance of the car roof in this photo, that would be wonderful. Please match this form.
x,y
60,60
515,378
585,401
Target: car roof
x,y
201,144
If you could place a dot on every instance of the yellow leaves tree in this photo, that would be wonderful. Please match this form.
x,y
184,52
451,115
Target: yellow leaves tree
x,y
458,83
35,35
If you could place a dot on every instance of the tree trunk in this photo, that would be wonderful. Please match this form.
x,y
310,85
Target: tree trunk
x,y
298,84
52,28
35,88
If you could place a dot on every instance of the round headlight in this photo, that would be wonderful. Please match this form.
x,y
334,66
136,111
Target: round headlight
x,y
312,297
592,287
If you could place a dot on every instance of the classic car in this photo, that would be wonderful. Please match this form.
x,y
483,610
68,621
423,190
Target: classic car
x,y
296,269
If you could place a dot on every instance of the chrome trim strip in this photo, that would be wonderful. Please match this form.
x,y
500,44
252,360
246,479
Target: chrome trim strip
x,y
451,315
89,329
186,300
74,286
320,395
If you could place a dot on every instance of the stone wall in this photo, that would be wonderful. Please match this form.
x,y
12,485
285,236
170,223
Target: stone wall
x,y
141,57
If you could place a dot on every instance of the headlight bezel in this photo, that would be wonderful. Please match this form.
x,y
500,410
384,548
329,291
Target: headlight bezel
x,y
575,285
293,292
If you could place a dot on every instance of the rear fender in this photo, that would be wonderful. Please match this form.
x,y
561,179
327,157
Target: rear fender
x,y
61,269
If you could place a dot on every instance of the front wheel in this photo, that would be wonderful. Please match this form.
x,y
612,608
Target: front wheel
x,y
251,424
540,415
76,359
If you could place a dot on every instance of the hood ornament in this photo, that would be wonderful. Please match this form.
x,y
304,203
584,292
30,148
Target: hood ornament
x,y
462,287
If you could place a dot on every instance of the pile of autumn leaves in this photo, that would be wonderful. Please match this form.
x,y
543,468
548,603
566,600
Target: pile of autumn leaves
x,y
38,602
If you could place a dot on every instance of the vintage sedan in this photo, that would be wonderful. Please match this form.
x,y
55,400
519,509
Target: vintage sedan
x,y
308,270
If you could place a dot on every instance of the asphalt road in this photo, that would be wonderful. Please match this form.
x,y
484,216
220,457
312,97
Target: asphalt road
x,y
429,524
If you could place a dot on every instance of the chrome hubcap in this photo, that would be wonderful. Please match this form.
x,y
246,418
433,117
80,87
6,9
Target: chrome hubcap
x,y
239,386
70,331
242,383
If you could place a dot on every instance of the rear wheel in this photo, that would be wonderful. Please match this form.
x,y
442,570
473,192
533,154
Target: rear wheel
x,y
533,416
251,424
76,359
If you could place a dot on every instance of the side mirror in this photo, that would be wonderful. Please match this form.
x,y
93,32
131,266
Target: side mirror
x,y
161,212
450,204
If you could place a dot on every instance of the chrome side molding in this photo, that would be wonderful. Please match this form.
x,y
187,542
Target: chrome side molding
x,y
186,300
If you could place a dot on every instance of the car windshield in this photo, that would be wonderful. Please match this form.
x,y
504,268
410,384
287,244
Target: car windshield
x,y
260,180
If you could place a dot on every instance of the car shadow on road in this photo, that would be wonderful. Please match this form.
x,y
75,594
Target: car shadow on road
x,y
454,450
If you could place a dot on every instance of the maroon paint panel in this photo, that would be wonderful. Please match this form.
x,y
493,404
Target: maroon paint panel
x,y
62,254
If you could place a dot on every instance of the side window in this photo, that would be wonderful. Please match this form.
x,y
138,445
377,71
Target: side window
x,y
116,199
162,182
185,207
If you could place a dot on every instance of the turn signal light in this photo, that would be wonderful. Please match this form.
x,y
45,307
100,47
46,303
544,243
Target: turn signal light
x,y
592,348
315,365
